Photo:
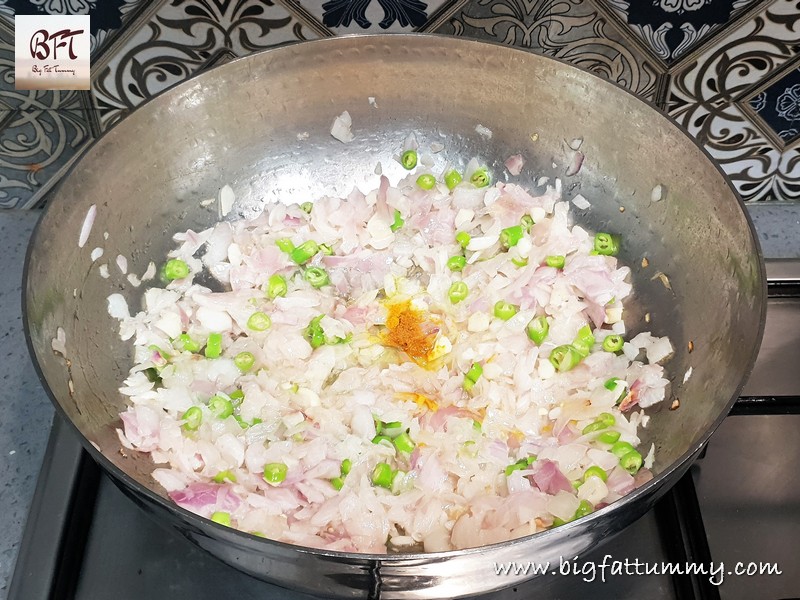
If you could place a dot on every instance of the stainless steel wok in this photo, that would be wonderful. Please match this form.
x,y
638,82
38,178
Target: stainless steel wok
x,y
244,124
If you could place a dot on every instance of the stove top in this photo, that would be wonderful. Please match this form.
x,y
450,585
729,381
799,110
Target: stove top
x,y
737,509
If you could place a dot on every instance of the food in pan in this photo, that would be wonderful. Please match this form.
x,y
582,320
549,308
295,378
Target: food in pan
x,y
433,365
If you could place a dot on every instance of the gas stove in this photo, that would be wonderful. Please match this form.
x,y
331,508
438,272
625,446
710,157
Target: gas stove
x,y
736,510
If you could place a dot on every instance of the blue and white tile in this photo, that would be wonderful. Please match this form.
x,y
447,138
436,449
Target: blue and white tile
x,y
710,94
181,38
373,16
777,106
35,147
573,30
671,28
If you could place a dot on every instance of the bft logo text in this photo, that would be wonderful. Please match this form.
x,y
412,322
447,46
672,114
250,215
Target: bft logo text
x,y
45,45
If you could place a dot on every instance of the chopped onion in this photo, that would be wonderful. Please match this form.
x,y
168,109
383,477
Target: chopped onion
x,y
226,199
658,350
650,458
86,227
118,307
96,253
122,264
514,164
483,131
410,142
575,165
658,193
580,202
319,370
59,343
341,128
150,272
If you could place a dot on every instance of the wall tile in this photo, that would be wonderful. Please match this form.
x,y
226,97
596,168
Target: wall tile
x,y
35,146
373,16
573,30
181,39
711,96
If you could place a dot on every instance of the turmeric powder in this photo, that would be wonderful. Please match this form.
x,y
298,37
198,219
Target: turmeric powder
x,y
411,331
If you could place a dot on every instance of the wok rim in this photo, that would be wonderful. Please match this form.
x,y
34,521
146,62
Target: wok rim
x,y
650,488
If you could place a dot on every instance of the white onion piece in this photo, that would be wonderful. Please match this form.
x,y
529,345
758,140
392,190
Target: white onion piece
x,y
580,202
341,128
472,166
687,375
658,350
482,242
226,199
658,193
381,235
86,227
170,323
563,505
483,131
575,165
118,307
134,280
103,270
410,142
169,479
630,351
372,101
464,216
59,343
214,320
514,164
593,489
150,272
436,147
122,264
648,460
96,253
362,423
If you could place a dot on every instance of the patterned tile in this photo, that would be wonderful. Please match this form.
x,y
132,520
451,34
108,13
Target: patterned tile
x,y
359,16
573,30
709,96
671,28
182,38
35,146
778,105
